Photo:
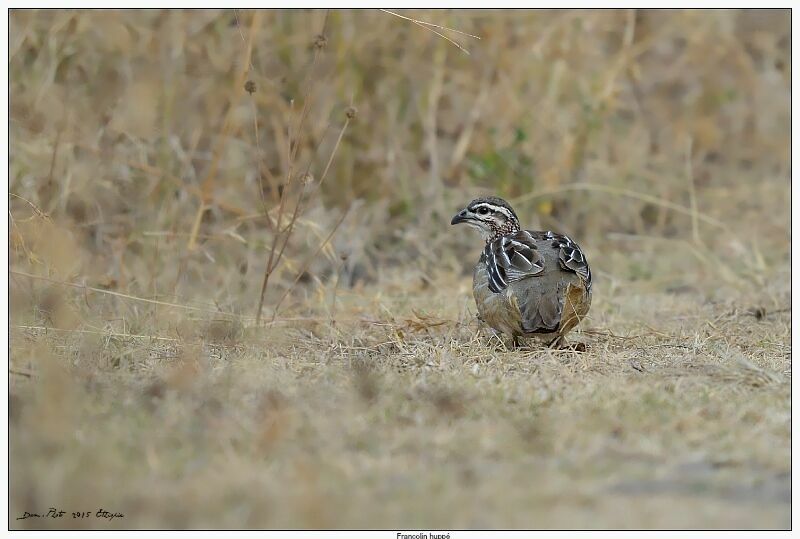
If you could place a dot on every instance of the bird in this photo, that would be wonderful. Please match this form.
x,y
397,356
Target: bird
x,y
526,283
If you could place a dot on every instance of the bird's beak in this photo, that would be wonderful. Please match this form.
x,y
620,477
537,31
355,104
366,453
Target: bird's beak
x,y
460,217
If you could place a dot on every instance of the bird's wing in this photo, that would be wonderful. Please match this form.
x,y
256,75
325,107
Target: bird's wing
x,y
570,257
512,258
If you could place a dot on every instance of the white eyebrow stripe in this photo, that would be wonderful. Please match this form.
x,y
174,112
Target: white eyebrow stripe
x,y
492,207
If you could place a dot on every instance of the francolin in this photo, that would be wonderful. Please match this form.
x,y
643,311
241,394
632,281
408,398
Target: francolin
x,y
527,283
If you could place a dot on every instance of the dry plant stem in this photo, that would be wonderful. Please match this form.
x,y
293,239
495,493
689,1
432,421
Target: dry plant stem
x,y
33,206
85,288
105,333
273,261
428,25
205,196
226,127
692,197
336,289
153,283
54,157
304,111
290,227
308,262
19,240
119,294
198,218
333,152
301,199
269,268
258,166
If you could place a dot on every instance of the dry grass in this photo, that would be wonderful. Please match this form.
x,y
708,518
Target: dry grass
x,y
146,190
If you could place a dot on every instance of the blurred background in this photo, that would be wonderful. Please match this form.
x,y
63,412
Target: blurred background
x,y
133,132
154,153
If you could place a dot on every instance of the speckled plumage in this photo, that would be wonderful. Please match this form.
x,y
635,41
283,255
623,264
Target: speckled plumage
x,y
526,283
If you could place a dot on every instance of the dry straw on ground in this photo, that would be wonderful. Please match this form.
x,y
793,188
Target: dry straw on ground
x,y
171,168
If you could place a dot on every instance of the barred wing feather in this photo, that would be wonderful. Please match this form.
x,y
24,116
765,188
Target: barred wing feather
x,y
570,257
512,258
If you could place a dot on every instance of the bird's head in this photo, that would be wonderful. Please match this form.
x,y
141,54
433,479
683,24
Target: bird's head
x,y
492,216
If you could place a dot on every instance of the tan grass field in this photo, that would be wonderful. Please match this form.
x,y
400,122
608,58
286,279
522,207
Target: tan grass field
x,y
147,185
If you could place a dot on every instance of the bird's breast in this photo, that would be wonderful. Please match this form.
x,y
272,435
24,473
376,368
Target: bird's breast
x,y
497,309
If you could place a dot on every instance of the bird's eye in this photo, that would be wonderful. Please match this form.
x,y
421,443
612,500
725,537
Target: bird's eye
x,y
483,210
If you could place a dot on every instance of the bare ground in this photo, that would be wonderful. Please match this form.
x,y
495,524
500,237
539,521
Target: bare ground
x,y
680,419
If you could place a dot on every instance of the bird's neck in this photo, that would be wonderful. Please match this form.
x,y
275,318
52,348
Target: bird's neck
x,y
510,227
